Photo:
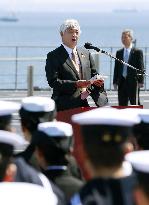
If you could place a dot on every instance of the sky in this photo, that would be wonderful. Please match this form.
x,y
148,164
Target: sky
x,y
75,5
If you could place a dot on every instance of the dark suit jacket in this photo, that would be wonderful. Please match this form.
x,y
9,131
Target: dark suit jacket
x,y
136,60
62,76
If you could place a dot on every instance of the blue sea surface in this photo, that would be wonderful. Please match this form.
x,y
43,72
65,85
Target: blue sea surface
x,y
42,30
102,29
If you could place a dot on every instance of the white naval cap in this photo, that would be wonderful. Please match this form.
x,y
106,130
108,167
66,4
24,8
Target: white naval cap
x,y
8,108
13,139
139,160
25,193
56,128
142,113
38,104
105,116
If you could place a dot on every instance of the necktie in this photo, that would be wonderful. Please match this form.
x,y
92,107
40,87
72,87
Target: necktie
x,y
126,57
75,61
73,57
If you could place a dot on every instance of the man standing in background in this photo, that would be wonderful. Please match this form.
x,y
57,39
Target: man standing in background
x,y
126,79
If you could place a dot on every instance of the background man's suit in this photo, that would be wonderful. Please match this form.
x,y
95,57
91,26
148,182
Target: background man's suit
x,y
62,76
127,88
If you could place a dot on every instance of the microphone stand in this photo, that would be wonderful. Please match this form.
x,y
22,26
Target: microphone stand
x,y
89,46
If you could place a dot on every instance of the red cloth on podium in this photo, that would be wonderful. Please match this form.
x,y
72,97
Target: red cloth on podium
x,y
79,154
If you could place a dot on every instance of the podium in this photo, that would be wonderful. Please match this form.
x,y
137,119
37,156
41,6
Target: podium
x,y
65,115
78,152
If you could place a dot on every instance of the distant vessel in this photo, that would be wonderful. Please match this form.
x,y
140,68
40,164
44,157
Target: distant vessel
x,y
125,10
9,18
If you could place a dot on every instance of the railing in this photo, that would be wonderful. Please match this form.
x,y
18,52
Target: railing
x,y
15,61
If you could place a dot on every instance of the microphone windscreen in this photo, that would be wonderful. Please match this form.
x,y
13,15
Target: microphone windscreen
x,y
88,45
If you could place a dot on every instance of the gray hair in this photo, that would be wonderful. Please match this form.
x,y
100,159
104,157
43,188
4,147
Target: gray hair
x,y
70,23
127,30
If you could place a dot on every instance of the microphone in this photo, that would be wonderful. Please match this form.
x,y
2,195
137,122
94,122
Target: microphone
x,y
89,46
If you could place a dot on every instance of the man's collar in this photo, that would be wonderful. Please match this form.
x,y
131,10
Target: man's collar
x,y
69,50
129,48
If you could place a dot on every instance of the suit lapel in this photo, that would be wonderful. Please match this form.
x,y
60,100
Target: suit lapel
x,y
67,63
122,54
82,61
130,61
131,54
70,64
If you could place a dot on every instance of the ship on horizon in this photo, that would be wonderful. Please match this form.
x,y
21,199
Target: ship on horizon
x,y
128,10
9,18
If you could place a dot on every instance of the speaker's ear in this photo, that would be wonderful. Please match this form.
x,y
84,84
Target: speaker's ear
x,y
61,33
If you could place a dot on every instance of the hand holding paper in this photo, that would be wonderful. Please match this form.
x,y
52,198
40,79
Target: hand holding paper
x,y
83,83
98,83
98,80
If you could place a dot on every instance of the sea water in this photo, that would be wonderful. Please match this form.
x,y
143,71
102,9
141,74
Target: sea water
x,y
35,34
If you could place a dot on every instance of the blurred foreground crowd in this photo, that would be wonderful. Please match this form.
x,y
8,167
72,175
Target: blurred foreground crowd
x,y
41,167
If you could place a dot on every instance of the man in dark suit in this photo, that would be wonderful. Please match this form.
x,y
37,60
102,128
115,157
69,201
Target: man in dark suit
x,y
126,79
69,69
